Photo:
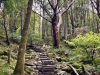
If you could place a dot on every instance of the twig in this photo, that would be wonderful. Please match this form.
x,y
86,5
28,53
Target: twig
x,y
42,16
84,71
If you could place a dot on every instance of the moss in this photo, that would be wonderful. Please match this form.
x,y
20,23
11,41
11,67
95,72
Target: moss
x,y
4,57
67,69
3,52
76,65
29,69
64,59
69,44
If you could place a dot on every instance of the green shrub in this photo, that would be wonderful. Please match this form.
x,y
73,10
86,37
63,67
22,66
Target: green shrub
x,y
88,40
61,51
34,38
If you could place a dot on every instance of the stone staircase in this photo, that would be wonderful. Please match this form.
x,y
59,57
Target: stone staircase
x,y
46,66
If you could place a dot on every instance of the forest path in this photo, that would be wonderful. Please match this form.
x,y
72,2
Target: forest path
x,y
44,65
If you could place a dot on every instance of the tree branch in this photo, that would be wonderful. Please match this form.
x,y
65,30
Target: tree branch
x,y
42,16
68,6
57,4
84,71
93,4
45,9
51,4
73,69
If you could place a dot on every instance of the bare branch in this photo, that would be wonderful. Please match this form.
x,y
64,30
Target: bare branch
x,y
68,6
93,4
51,4
84,71
42,16
73,69
57,4
45,9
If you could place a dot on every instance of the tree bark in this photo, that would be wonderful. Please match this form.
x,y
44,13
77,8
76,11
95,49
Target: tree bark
x,y
55,31
19,69
98,7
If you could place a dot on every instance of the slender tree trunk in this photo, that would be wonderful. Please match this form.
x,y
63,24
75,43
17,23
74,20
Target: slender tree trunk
x,y
19,69
5,28
72,22
39,26
97,27
43,26
22,18
34,24
9,53
66,27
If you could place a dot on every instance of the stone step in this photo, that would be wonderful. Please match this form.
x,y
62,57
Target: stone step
x,y
46,73
39,51
44,59
46,67
46,70
43,56
48,62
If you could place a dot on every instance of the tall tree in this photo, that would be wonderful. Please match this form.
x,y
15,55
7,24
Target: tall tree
x,y
19,69
55,14
96,5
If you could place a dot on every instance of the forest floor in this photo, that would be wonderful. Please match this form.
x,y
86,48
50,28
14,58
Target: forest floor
x,y
66,59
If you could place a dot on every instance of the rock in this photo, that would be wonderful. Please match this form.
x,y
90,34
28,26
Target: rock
x,y
58,59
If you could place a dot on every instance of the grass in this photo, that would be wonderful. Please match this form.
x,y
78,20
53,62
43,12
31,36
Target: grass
x,y
5,68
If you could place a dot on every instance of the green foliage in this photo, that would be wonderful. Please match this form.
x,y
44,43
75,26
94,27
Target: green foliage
x,y
9,6
69,44
88,40
67,69
34,37
5,69
86,50
61,51
3,52
15,37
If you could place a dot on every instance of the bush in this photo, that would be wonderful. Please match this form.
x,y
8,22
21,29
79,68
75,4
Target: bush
x,y
88,40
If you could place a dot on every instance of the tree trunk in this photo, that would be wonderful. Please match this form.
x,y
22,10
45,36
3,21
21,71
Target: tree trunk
x,y
98,7
9,53
55,31
22,18
66,27
19,69
43,26
5,28
34,24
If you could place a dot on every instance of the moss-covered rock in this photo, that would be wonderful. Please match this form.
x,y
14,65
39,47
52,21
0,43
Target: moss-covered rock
x,y
64,59
76,65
